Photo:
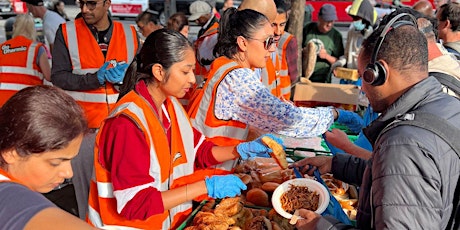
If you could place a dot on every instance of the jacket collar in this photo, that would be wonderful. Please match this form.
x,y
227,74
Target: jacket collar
x,y
416,96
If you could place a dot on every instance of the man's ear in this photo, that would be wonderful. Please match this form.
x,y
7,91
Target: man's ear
x,y
108,3
448,24
387,70
242,43
158,72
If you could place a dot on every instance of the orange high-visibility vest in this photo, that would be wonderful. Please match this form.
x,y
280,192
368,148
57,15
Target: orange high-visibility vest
x,y
220,132
18,67
87,57
201,110
173,166
285,80
270,75
200,70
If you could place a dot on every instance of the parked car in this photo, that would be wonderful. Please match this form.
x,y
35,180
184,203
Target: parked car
x,y
128,8
6,9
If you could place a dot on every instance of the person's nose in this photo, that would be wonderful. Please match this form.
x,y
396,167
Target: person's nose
x,y
67,171
192,78
277,30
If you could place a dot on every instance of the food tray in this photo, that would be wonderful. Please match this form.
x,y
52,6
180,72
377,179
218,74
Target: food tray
x,y
190,218
192,215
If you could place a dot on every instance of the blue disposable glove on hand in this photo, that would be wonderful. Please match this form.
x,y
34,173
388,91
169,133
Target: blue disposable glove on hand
x,y
101,73
224,186
256,148
116,74
351,119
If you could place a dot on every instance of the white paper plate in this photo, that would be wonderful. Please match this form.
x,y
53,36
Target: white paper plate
x,y
312,185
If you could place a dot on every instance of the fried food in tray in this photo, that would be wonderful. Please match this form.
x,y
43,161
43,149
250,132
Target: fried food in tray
x,y
259,223
338,188
229,213
298,197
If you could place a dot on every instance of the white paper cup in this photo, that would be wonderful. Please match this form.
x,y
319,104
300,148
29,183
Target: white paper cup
x,y
312,185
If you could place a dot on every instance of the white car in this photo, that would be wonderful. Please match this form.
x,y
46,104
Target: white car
x,y
128,8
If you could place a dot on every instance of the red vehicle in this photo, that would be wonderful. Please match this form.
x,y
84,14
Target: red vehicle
x,y
341,7
19,7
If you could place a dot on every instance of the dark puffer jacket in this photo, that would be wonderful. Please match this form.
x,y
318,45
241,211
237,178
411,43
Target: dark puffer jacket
x,y
410,180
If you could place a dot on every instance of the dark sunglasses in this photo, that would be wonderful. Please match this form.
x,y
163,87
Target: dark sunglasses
x,y
90,4
267,42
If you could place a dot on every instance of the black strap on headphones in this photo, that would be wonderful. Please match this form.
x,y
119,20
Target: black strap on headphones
x,y
392,24
375,73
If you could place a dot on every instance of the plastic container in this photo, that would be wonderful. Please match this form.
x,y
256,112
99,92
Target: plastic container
x,y
312,185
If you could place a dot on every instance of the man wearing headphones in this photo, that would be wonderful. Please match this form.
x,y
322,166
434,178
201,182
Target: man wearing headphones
x,y
410,181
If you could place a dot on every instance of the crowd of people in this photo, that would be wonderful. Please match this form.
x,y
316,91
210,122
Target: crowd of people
x,y
141,122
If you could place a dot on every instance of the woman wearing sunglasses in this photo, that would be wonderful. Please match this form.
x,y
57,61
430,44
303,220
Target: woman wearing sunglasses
x,y
234,98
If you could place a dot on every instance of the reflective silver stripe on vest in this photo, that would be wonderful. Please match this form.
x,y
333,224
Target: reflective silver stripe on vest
x,y
4,178
130,52
12,86
200,120
187,136
186,133
21,70
286,90
73,45
94,217
281,42
105,189
283,72
93,97
264,79
31,55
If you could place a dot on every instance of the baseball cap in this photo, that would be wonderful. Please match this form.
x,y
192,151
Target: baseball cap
x,y
327,12
34,2
199,8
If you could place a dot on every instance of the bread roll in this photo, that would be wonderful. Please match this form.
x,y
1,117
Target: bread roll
x,y
269,186
258,197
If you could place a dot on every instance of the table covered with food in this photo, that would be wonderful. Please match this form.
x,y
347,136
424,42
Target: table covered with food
x,y
272,185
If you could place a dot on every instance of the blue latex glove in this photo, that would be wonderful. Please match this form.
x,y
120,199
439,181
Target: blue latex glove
x,y
116,74
101,73
256,148
224,186
351,119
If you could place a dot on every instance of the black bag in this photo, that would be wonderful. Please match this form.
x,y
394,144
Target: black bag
x,y
448,81
449,134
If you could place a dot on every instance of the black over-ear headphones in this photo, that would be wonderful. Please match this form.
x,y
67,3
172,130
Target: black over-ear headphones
x,y
375,74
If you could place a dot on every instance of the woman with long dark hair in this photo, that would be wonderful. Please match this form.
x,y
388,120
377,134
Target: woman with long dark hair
x,y
146,150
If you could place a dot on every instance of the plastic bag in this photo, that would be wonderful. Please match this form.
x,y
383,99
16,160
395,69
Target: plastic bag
x,y
333,209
